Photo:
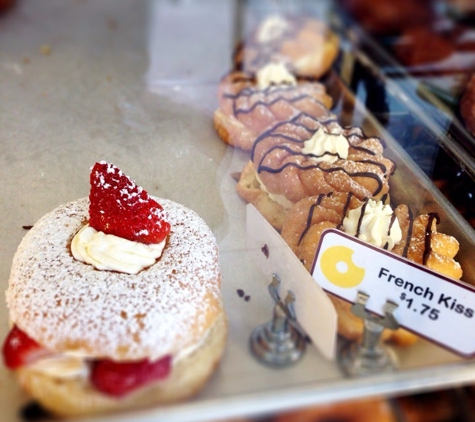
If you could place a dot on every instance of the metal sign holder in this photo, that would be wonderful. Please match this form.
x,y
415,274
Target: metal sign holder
x,y
279,342
370,355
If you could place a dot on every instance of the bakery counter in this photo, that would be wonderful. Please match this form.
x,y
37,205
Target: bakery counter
x,y
135,83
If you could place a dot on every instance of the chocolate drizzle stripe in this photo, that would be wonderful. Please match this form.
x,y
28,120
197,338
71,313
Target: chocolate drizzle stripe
x,y
345,209
360,219
272,89
409,233
310,217
248,110
373,163
261,167
391,223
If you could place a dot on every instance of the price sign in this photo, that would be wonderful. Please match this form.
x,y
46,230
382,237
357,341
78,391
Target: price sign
x,y
432,305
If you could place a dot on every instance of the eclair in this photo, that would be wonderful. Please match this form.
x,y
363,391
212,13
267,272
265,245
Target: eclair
x,y
114,302
375,222
304,157
250,104
307,45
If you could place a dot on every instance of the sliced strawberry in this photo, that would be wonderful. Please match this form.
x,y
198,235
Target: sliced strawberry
x,y
120,207
119,378
19,349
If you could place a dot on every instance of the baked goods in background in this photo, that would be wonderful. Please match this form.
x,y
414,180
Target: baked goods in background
x,y
250,104
419,45
305,44
369,409
467,105
133,322
389,17
6,5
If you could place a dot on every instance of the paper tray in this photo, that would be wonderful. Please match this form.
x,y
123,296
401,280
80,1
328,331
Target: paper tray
x,y
87,100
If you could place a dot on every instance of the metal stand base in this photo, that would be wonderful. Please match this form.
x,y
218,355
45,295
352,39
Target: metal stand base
x,y
277,348
279,342
370,356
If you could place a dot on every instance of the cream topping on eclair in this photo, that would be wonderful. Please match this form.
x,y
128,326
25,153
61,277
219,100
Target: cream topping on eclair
x,y
274,74
323,146
375,223
113,253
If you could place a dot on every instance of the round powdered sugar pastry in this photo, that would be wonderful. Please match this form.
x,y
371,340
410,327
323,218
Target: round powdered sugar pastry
x,y
70,307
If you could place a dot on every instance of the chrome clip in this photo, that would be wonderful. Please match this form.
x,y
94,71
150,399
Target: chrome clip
x,y
281,341
370,355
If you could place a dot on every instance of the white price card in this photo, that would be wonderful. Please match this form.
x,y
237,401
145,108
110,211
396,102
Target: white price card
x,y
314,310
436,307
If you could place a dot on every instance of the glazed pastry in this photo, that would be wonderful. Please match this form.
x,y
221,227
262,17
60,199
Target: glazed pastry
x,y
467,105
414,238
115,302
306,45
251,104
304,157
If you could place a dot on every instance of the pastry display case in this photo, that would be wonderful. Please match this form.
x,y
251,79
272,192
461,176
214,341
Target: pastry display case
x,y
136,83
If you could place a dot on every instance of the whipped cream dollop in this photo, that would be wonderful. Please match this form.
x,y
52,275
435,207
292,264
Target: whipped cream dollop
x,y
375,223
271,28
323,146
274,74
113,253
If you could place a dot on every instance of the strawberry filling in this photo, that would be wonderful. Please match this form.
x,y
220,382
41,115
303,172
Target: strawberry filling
x,y
19,349
119,379
113,378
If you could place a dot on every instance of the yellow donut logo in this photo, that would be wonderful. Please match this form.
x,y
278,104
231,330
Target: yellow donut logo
x,y
338,267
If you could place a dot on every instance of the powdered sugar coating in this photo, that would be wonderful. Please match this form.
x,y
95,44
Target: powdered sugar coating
x,y
68,306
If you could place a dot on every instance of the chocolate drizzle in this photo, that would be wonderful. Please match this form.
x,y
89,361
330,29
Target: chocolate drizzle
x,y
409,233
360,219
310,126
273,94
310,215
345,210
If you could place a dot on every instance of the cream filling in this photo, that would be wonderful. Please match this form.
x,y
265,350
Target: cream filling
x,y
63,366
75,365
113,253
376,226
323,146
274,74
279,199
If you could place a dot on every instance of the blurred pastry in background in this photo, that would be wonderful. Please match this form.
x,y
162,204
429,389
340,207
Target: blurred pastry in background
x,y
467,105
363,410
389,16
6,4
422,45
463,8
306,45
